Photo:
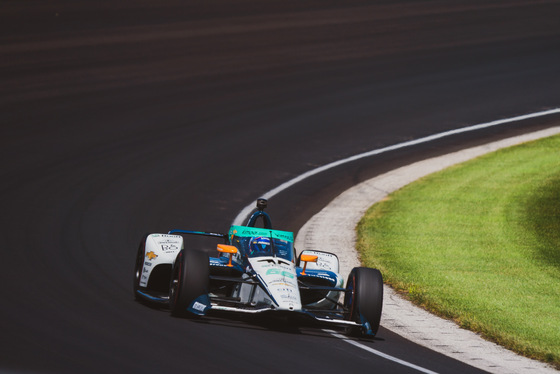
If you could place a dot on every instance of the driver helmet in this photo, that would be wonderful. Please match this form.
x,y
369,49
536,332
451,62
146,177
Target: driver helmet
x,y
260,245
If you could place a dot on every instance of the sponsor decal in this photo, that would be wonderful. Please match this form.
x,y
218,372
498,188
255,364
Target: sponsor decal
x,y
151,255
169,247
198,306
256,231
325,261
324,276
148,263
275,280
279,284
288,297
279,272
285,289
216,262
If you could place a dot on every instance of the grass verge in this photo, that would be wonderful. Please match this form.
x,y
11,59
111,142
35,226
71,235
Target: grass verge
x,y
479,243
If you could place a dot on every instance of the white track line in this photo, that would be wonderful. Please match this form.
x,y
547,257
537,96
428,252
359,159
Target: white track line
x,y
399,315
242,216
380,354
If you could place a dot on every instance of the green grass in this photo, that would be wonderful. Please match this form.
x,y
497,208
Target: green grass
x,y
479,243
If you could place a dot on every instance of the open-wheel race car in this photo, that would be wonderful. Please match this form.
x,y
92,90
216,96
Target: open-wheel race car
x,y
256,271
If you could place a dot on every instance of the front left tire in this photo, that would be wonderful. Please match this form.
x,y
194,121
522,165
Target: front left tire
x,y
189,280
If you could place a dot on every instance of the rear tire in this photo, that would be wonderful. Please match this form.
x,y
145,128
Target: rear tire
x,y
189,280
365,299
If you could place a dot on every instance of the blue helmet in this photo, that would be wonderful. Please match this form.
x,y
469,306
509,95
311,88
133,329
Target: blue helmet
x,y
260,245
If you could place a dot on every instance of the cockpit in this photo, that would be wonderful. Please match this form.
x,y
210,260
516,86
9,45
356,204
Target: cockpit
x,y
259,242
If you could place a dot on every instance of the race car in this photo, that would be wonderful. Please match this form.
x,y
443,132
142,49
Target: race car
x,y
256,271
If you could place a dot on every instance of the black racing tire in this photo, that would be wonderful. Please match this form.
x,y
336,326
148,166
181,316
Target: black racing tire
x,y
139,265
365,298
189,280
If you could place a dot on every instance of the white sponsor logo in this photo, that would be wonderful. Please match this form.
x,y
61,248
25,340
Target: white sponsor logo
x,y
198,306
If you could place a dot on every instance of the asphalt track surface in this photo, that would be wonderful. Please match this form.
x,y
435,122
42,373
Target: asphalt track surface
x,y
120,118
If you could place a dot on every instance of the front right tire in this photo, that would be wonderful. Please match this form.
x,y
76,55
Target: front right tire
x,y
364,299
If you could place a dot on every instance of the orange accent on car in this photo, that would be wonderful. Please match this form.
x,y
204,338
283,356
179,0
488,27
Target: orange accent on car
x,y
224,248
306,259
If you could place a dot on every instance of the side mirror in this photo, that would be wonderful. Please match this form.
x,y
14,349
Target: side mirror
x,y
230,249
306,259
